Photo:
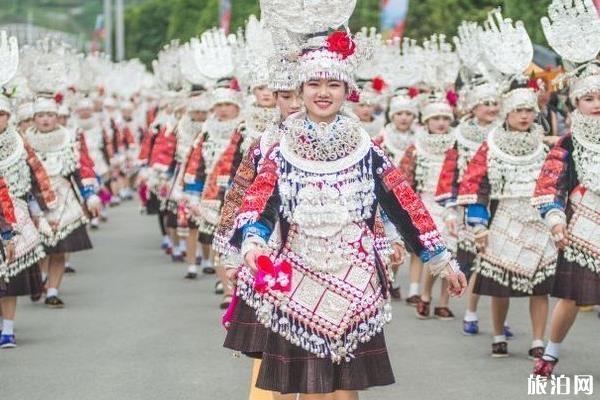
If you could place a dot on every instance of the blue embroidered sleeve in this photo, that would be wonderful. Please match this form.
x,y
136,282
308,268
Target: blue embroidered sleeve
x,y
87,191
256,229
477,214
193,188
7,234
555,205
427,255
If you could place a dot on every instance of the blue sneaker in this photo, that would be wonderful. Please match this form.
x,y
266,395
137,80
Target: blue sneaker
x,y
470,328
7,342
508,333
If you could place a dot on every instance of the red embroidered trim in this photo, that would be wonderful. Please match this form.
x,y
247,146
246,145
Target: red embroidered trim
x,y
86,164
6,205
223,168
41,177
475,172
554,167
129,138
408,164
108,146
445,187
145,146
244,176
262,188
151,116
193,161
395,181
164,150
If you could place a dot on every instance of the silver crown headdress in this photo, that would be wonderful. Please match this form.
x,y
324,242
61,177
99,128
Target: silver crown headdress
x,y
282,74
166,67
402,101
253,50
46,66
573,31
9,57
306,17
480,82
188,66
435,104
214,58
441,69
300,29
213,54
125,78
508,49
401,62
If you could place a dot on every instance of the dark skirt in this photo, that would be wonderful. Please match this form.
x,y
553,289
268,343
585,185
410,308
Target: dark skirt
x,y
246,334
465,260
489,287
205,238
153,204
574,282
25,283
171,219
78,240
286,368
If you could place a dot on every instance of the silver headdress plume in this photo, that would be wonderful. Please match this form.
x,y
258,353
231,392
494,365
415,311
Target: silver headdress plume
x,y
213,54
300,29
442,63
9,57
188,66
47,66
306,17
573,31
509,50
166,67
401,61
480,80
253,50
508,47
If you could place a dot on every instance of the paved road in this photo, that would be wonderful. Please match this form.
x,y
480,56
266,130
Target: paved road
x,y
134,329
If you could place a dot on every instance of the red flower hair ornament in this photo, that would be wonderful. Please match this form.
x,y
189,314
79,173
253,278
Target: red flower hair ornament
x,y
413,92
452,98
378,84
234,85
354,96
58,98
340,42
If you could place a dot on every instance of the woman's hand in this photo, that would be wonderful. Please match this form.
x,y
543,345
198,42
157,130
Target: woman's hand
x,y
397,256
53,225
481,239
231,275
251,257
560,235
457,283
452,226
9,251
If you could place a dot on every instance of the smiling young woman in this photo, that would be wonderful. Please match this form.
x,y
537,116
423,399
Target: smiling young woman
x,y
311,211
517,256
567,189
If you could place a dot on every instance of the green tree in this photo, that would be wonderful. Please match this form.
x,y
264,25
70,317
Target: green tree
x,y
146,27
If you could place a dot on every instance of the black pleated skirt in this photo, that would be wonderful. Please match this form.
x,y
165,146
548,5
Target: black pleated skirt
x,y
78,240
286,368
489,287
465,260
25,283
574,282
153,204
